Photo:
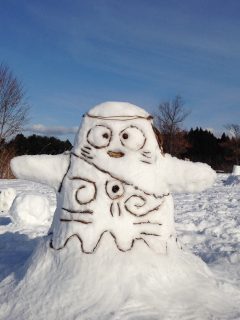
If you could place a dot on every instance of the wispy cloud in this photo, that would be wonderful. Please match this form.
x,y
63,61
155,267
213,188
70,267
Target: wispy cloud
x,y
53,130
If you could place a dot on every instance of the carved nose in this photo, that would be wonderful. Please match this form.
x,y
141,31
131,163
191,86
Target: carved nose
x,y
115,154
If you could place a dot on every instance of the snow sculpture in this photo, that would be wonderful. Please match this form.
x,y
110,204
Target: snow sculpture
x,y
111,252
116,181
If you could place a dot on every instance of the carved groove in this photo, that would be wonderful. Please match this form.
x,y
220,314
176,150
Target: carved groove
x,y
61,184
84,155
77,211
91,252
150,234
85,151
111,209
145,161
119,118
148,222
82,187
75,220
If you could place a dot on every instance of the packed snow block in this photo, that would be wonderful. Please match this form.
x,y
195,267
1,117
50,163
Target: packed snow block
x,y
6,198
30,209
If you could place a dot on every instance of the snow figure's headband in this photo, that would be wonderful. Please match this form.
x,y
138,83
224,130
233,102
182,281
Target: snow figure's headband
x,y
119,118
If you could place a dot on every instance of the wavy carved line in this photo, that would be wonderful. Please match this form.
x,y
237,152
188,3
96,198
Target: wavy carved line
x,y
91,252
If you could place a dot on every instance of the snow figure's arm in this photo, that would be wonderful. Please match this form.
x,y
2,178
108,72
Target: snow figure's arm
x,y
187,176
47,169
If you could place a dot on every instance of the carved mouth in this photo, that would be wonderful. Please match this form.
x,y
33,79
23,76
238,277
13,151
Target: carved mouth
x,y
115,154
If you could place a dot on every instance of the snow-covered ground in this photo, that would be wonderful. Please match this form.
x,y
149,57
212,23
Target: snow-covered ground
x,y
207,223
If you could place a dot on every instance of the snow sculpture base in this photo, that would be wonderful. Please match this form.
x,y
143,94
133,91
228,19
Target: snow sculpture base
x,y
112,285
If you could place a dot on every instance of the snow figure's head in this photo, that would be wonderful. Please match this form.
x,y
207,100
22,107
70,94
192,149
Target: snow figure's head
x,y
116,134
114,187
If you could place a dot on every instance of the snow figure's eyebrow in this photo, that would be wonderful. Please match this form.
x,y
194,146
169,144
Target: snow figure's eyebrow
x,y
119,118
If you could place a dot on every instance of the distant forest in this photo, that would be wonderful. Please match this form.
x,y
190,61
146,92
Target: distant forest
x,y
35,144
195,145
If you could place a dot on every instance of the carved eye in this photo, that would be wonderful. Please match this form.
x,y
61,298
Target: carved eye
x,y
132,138
114,189
99,136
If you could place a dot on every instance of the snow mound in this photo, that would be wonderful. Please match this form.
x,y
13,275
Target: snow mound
x,y
6,198
30,209
109,285
236,170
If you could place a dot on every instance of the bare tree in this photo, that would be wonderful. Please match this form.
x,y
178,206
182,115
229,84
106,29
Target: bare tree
x,y
169,120
13,108
234,142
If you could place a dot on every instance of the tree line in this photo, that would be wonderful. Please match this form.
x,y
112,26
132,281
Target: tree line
x,y
195,145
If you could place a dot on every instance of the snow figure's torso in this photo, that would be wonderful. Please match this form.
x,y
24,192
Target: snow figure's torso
x,y
111,186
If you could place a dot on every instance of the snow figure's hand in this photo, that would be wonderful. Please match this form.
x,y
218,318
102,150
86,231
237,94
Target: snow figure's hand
x,y
185,176
47,169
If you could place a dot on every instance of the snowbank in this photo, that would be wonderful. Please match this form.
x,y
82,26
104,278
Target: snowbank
x,y
6,198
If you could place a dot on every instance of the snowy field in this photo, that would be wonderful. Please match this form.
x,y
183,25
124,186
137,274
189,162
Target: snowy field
x,y
207,223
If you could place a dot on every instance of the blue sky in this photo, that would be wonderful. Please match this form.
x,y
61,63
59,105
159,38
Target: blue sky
x,y
71,55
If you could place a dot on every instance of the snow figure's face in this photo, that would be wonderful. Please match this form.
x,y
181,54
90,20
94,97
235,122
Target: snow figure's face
x,y
110,185
119,142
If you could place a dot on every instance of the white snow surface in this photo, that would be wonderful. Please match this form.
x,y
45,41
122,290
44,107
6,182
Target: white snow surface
x,y
37,282
6,198
115,108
